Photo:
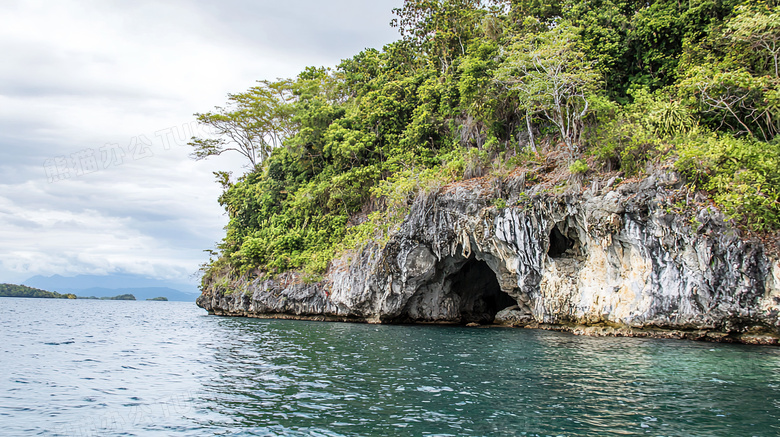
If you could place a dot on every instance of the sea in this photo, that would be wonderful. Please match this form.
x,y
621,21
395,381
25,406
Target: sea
x,y
125,368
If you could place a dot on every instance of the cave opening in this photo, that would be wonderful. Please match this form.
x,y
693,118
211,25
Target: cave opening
x,y
480,295
559,243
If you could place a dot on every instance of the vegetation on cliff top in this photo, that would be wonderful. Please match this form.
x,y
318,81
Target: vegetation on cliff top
x,y
476,87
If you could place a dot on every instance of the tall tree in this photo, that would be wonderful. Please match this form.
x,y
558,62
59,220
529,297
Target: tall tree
x,y
440,29
252,123
553,79
741,89
758,27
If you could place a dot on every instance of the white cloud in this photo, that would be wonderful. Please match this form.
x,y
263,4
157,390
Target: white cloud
x,y
87,241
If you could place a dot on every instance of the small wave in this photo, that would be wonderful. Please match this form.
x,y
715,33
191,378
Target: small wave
x,y
720,381
429,389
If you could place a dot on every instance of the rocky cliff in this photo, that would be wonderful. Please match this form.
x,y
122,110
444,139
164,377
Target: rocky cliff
x,y
610,259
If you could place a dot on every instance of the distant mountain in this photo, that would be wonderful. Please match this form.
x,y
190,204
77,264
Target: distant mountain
x,y
111,285
116,280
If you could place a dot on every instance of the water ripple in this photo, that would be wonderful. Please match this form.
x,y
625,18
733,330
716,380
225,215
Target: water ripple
x,y
164,368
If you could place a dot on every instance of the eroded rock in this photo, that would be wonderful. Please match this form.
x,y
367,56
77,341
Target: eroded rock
x,y
606,262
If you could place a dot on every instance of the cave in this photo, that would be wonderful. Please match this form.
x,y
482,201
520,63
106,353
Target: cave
x,y
480,296
559,243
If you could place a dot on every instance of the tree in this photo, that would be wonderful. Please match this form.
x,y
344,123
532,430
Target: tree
x,y
759,29
252,124
737,99
552,79
441,29
741,88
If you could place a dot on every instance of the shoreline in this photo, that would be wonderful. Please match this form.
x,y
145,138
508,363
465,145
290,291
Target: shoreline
x,y
712,336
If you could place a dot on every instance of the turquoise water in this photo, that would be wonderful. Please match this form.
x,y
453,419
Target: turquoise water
x,y
166,368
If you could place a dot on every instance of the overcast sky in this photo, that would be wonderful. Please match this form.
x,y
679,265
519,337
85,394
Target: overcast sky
x,y
96,98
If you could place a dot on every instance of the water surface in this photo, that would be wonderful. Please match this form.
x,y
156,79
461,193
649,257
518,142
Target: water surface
x,y
166,368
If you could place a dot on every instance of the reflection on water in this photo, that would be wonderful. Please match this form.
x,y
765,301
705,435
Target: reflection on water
x,y
165,368
282,377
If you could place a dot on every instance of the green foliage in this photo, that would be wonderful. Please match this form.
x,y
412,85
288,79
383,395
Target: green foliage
x,y
743,176
552,78
640,44
499,203
252,124
441,29
120,297
395,196
579,167
756,26
735,84
735,98
626,136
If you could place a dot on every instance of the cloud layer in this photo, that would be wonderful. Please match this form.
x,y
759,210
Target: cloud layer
x,y
92,179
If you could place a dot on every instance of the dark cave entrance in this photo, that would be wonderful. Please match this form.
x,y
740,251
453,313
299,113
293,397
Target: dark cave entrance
x,y
481,297
559,243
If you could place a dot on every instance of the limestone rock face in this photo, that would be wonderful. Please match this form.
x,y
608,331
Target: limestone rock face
x,y
610,261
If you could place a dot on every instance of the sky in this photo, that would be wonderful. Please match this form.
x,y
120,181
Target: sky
x,y
96,105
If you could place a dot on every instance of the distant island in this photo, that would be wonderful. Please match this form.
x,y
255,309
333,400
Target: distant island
x,y
161,299
120,297
13,290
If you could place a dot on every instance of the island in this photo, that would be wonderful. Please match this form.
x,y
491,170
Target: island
x,y
605,170
120,297
12,290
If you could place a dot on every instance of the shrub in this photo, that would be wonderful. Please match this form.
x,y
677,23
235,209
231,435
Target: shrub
x,y
741,174
579,167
